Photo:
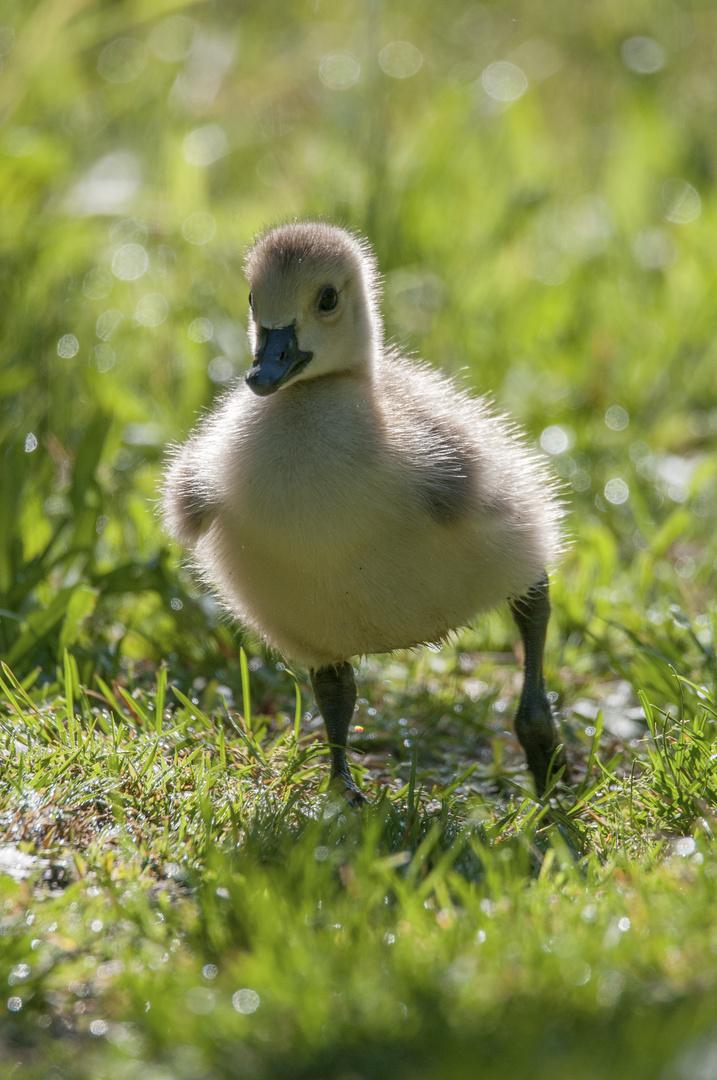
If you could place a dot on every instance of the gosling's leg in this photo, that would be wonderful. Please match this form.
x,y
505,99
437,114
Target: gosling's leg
x,y
534,724
335,692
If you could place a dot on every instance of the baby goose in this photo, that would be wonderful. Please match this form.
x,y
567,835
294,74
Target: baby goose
x,y
346,500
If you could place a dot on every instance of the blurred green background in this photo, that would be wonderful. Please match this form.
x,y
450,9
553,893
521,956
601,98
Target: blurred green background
x,y
538,183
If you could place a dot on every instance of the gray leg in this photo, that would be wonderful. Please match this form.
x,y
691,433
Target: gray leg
x,y
335,692
534,723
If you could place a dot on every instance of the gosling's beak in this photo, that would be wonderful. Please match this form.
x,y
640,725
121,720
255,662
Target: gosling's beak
x,y
277,358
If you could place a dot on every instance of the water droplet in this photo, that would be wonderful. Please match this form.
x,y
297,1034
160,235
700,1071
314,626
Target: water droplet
x,y
30,443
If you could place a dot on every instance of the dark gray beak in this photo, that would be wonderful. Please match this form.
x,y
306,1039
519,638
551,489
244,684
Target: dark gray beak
x,y
277,358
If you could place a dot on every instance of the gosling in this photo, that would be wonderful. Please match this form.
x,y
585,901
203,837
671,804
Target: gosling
x,y
345,499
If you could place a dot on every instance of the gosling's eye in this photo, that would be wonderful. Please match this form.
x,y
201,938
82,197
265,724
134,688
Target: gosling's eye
x,y
329,299
251,301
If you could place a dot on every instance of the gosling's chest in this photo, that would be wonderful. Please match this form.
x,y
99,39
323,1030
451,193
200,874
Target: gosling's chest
x,y
304,459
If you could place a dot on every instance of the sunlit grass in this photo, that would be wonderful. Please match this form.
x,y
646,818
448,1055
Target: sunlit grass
x,y
200,897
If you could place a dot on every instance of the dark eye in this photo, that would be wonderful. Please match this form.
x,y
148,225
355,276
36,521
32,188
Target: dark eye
x,y
329,299
251,300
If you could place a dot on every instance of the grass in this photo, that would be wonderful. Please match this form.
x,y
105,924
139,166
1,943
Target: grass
x,y
181,896
193,904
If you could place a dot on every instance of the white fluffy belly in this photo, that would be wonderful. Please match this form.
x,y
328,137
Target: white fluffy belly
x,y
319,599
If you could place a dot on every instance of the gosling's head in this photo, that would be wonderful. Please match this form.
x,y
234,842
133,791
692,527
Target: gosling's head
x,y
313,305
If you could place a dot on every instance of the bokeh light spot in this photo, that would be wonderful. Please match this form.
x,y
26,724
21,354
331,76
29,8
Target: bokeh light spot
x,y
400,59
7,39
67,346
199,227
643,55
152,310
550,268
339,70
97,283
103,358
685,566
220,369
108,323
201,330
205,145
130,262
617,418
654,249
681,201
556,439
504,81
616,491
245,1001
122,60
171,39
